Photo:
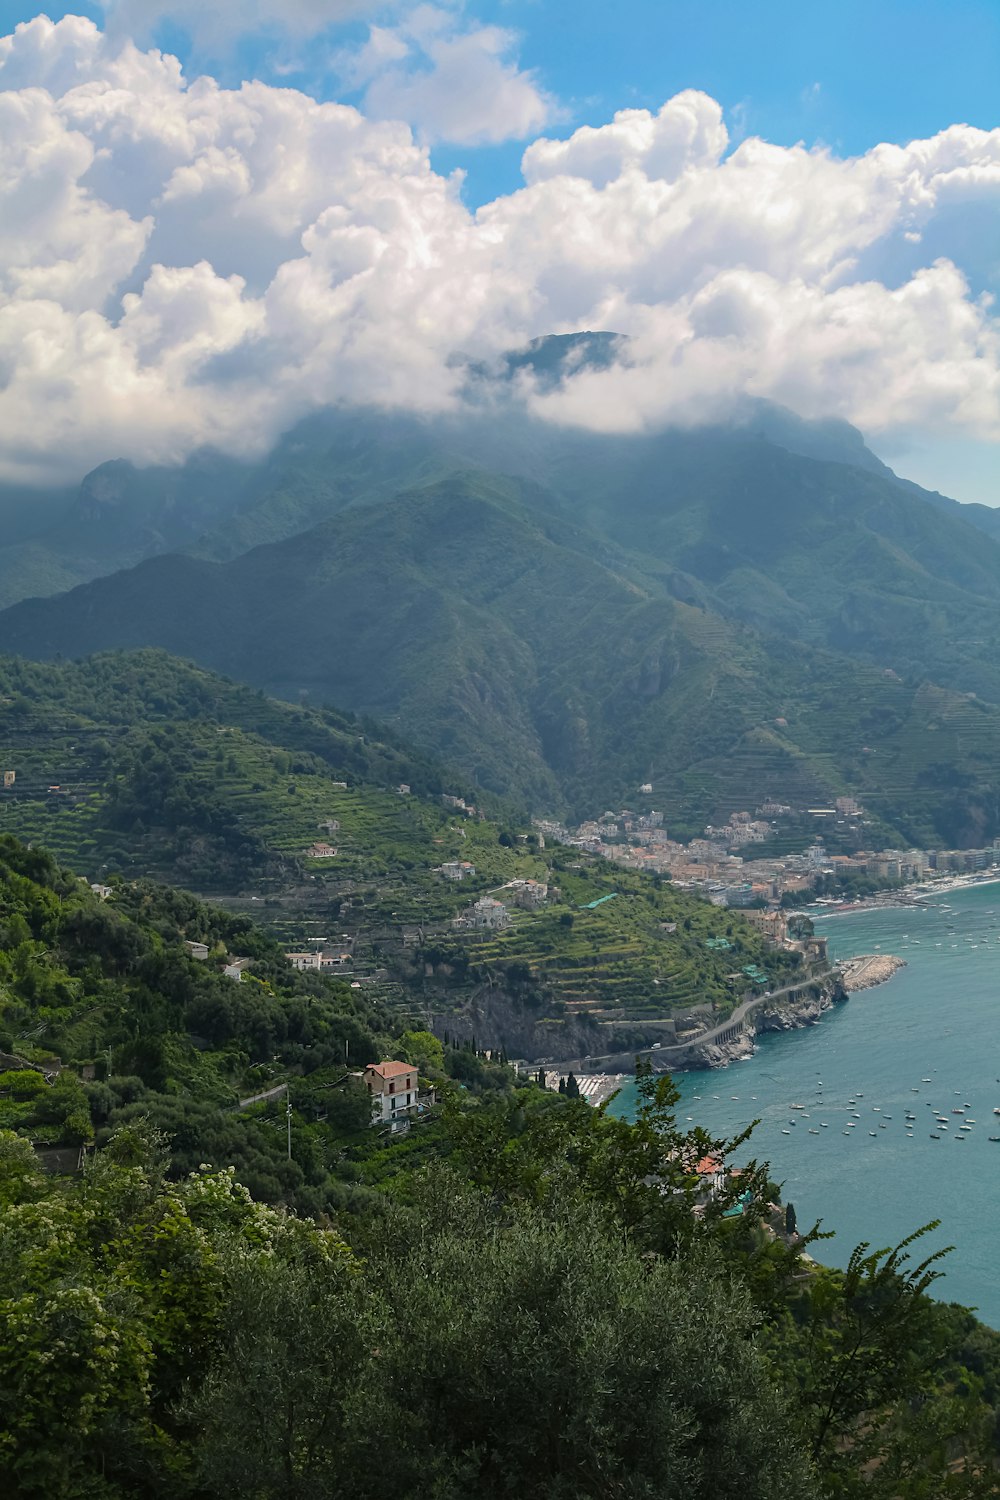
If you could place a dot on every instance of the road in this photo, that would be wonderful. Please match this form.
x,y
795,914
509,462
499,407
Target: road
x,y
618,1060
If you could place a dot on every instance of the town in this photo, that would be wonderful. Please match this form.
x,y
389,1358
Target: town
x,y
720,866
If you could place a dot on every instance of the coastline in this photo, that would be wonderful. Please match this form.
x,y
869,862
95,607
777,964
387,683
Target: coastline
x,y
915,894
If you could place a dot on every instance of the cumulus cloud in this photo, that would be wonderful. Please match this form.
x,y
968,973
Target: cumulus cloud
x,y
183,264
453,82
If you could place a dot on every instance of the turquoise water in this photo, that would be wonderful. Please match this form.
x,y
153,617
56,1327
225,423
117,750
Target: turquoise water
x,y
937,1019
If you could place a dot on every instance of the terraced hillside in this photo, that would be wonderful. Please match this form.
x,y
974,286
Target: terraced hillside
x,y
180,775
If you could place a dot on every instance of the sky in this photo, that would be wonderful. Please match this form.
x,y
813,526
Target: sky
x,y
214,218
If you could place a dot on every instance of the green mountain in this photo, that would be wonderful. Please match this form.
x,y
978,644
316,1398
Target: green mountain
x,y
554,666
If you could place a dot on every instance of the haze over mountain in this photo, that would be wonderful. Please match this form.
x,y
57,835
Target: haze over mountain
x,y
562,614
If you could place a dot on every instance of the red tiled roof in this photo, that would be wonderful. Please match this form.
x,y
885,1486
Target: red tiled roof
x,y
391,1069
707,1165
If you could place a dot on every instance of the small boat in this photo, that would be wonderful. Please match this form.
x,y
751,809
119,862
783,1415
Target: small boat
x,y
871,1132
935,1137
791,1106
786,1132
823,1125
883,1126
877,1108
992,1137
813,1132
925,1080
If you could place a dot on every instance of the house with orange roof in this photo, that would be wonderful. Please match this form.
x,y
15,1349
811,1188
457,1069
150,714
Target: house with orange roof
x,y
393,1090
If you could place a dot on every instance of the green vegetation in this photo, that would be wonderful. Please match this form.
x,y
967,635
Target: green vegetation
x,y
106,1018
165,771
563,666
545,1313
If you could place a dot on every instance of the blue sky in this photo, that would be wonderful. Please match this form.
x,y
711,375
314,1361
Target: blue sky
x,y
848,75
171,236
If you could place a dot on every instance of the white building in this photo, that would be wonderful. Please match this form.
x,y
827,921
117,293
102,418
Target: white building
x,y
393,1090
304,961
457,869
235,967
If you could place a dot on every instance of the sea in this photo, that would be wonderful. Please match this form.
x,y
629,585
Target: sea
x,y
925,1044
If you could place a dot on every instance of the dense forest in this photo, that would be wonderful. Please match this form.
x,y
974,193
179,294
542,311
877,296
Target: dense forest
x,y
522,1294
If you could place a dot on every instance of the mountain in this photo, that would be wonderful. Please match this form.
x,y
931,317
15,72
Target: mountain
x,y
542,662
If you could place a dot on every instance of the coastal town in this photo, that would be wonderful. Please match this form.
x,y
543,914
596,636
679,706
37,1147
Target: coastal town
x,y
747,860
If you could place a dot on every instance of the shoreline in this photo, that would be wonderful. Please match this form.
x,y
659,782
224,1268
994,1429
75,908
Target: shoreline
x,y
906,895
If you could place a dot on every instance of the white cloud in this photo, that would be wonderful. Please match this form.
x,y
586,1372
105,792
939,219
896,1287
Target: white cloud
x,y
184,264
450,81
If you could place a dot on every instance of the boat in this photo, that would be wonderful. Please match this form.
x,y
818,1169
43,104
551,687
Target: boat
x,y
871,1132
786,1132
992,1137
823,1125
813,1132
883,1126
791,1106
935,1137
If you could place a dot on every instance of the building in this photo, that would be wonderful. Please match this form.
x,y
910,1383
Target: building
x,y
849,807
403,789
773,924
303,961
235,967
393,1089
332,825
528,893
485,913
457,869
320,850
102,892
197,950
9,777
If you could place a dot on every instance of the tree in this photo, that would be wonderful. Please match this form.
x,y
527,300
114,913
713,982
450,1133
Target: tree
x,y
512,1351
572,1087
789,1219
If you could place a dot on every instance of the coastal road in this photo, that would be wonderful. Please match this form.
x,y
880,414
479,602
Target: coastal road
x,y
706,1038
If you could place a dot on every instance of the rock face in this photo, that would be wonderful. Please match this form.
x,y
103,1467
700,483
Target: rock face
x,y
496,1018
784,1015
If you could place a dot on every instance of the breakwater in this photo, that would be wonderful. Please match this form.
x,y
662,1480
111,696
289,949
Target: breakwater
x,y
869,969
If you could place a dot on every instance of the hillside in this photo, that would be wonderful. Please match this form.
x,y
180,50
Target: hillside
x,y
155,768
543,663
169,1327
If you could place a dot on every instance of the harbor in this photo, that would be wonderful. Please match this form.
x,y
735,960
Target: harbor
x,y
919,1063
